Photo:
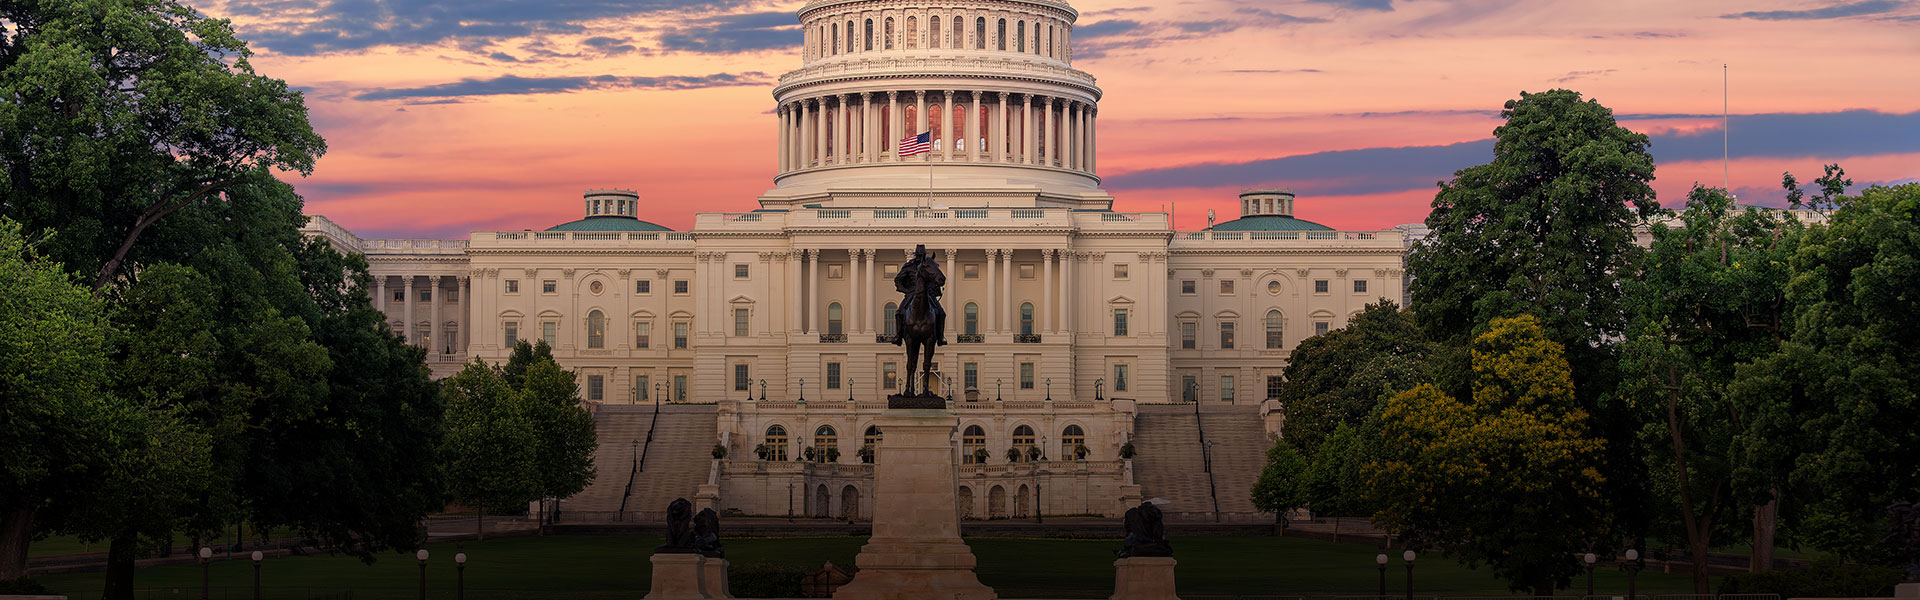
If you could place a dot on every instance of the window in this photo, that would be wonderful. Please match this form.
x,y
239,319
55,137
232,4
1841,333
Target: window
x,y
1273,386
1026,375
867,40
740,322
1319,286
1226,388
1273,287
1120,271
1359,286
1073,443
836,38
1120,377
512,329
833,375
1026,271
889,271
970,376
1189,335
596,388
1226,287
1275,327
596,329
776,443
980,33
850,39
913,35
834,271
513,286
644,286
453,295
740,271
825,439
643,334
549,331
833,319
933,32
970,271
971,319
742,378
680,287
890,375
1000,36
871,440
1026,318
1226,335
1186,286
549,287
887,322
972,441
640,391
595,287
399,295
1120,322
426,295
1189,388
1020,37
679,388
679,335
1022,440
1320,328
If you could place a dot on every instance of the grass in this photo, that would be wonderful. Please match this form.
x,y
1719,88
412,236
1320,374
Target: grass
x,y
62,544
616,567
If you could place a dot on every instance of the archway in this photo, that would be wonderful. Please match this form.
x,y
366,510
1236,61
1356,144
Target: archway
x,y
966,503
997,503
1023,502
821,500
850,503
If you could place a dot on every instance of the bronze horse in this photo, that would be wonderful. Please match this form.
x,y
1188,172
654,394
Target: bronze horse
x,y
920,321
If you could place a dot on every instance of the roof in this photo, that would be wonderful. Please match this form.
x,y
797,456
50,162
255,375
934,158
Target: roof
x,y
608,223
1270,223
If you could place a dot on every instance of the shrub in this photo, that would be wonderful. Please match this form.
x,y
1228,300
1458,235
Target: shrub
x,y
22,586
1126,450
719,452
1822,580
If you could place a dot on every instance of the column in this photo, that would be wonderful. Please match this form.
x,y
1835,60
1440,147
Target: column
x,y
407,295
920,118
854,316
1069,147
953,285
975,137
1027,129
1086,139
1046,282
794,301
1068,293
1000,138
946,126
873,283
813,292
990,312
893,129
435,300
1053,147
466,315
820,132
805,158
838,133
379,300
870,146
783,138
1093,142
1006,290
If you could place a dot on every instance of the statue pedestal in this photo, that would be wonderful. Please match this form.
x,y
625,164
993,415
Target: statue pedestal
x,y
915,552
678,577
1143,578
713,579
1907,590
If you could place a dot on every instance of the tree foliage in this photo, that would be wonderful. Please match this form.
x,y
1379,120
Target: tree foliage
x,y
1334,482
1509,477
564,457
1337,378
488,455
1281,486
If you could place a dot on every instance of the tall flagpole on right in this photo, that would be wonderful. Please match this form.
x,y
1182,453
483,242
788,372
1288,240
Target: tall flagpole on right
x,y
1725,181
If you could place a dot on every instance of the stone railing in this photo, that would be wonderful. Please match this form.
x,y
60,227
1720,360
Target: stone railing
x,y
984,63
971,338
833,338
1181,238
596,238
1026,338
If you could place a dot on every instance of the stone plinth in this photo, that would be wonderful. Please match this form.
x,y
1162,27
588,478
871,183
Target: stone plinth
x,y
677,577
1907,590
1143,578
713,579
915,552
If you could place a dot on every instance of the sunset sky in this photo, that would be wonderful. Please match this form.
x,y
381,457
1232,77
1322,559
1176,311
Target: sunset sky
x,y
447,116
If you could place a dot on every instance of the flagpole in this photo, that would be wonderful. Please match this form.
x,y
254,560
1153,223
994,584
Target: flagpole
x,y
929,156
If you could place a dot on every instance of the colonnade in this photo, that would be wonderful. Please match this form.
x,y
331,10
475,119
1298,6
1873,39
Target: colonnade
x,y
865,127
443,342
998,314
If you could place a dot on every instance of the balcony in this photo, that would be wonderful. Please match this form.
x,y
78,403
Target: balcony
x,y
972,338
833,338
883,338
1026,338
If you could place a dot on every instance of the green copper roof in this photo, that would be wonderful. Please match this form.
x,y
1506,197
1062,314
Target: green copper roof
x,y
1270,223
608,223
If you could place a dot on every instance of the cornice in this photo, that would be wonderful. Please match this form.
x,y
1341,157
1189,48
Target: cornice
x,y
1318,251
782,91
687,252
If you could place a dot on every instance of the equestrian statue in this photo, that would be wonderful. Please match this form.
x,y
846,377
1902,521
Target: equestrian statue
x,y
920,321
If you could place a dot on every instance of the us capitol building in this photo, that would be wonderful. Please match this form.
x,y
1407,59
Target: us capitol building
x,y
1075,331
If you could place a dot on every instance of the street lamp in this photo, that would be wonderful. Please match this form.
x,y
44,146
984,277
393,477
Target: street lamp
x,y
422,556
803,391
206,556
996,389
1098,383
1382,561
789,501
1408,556
850,389
1589,558
659,390
763,390
1633,567
460,576
1049,383
257,555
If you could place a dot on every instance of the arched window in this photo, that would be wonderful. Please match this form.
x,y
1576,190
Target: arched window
x,y
871,443
1275,326
1022,440
1073,443
887,322
1026,318
1000,35
1036,37
1020,36
868,38
596,329
836,38
850,38
933,32
1050,41
889,38
826,113
959,127
973,440
913,32
980,133
826,444
833,318
980,33
971,319
776,443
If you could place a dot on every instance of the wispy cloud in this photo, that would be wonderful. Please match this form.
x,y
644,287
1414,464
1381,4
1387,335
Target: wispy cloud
x,y
508,85
308,27
1836,11
1574,75
1095,40
1359,4
728,34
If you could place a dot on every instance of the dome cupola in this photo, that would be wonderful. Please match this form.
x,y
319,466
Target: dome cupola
x,y
610,210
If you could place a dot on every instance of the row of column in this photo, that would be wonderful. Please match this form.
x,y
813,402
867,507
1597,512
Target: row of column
x,y
1051,314
412,285
1023,129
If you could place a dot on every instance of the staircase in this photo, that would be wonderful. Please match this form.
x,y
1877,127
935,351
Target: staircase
x,y
1170,465
676,461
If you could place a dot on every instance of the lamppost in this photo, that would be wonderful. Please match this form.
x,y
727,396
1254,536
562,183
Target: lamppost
x,y
257,555
849,389
946,381
633,397
1098,383
763,390
659,390
1049,383
460,576
1037,503
206,557
789,501
1633,567
803,391
996,389
422,556
1193,390
1381,560
1589,558
1408,556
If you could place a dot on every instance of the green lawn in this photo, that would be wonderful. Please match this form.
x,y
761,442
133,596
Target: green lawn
x,y
62,544
617,567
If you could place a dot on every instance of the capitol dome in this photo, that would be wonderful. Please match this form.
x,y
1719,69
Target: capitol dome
x,y
610,210
1268,210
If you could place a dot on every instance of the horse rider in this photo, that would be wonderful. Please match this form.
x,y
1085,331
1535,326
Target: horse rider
x,y
921,275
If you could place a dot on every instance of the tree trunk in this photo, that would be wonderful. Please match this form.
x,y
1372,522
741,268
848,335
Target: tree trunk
x,y
1765,518
1697,528
121,553
479,526
16,534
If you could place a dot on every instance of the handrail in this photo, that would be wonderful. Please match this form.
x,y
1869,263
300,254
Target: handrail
x,y
640,461
1206,459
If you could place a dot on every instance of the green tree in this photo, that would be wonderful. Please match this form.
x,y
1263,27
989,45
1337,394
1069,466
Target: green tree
x,y
1833,407
564,457
1509,478
524,355
1334,484
122,112
1280,488
1337,378
489,453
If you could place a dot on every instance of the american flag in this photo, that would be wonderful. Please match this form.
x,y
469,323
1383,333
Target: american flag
x,y
918,144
